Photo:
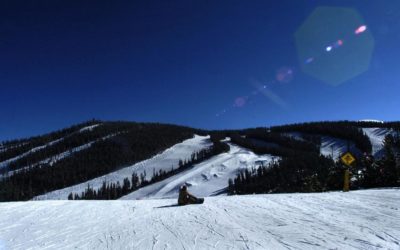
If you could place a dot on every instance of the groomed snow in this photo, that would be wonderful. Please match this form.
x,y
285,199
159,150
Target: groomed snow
x,y
164,161
206,178
368,219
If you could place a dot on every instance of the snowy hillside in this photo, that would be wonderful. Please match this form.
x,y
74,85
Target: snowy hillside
x,y
205,179
368,219
165,161
331,146
376,136
210,177
42,147
55,158
336,147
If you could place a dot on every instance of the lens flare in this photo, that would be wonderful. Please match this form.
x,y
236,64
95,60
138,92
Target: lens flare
x,y
284,75
309,60
240,102
360,29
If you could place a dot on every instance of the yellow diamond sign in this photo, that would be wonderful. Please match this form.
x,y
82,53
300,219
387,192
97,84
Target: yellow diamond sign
x,y
348,159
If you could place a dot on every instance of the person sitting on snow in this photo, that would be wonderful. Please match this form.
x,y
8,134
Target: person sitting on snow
x,y
185,197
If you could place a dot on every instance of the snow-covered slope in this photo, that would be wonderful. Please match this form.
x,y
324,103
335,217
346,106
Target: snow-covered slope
x,y
55,158
331,146
164,161
89,128
49,144
368,219
376,136
204,179
5,163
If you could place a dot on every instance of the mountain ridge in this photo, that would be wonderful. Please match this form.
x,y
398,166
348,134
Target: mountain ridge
x,y
81,153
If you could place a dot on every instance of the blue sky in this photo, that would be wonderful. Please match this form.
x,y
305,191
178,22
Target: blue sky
x,y
196,63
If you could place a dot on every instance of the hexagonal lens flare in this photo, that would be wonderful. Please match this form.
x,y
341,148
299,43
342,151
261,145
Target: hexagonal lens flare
x,y
334,44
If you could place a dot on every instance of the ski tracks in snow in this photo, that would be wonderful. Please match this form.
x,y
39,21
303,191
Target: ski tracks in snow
x,y
367,219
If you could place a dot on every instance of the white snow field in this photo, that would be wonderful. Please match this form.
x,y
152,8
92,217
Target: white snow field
x,y
368,219
164,160
207,178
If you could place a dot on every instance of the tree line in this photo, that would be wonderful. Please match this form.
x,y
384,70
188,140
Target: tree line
x,y
139,141
286,146
112,191
312,172
342,130
14,148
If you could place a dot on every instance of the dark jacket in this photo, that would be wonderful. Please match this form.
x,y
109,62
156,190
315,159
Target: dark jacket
x,y
185,197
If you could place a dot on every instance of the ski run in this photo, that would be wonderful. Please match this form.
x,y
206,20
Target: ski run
x,y
366,219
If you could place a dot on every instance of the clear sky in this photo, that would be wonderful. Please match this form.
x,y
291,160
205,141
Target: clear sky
x,y
206,64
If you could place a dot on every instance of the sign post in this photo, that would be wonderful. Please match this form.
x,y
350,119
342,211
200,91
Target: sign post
x,y
347,160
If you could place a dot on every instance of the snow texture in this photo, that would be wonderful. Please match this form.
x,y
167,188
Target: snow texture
x,y
89,128
4,148
5,163
377,136
368,219
371,120
207,178
330,146
164,161
55,158
335,147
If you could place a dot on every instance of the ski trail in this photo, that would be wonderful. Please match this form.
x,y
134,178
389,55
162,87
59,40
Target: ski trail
x,y
366,219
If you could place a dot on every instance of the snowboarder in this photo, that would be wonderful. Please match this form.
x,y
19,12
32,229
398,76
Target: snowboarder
x,y
186,198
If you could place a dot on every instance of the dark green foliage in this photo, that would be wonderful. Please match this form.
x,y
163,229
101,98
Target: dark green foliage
x,y
310,143
287,146
135,142
305,172
111,191
311,172
350,131
384,172
18,147
132,142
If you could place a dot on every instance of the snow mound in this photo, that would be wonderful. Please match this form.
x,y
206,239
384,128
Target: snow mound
x,y
368,219
164,161
206,178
